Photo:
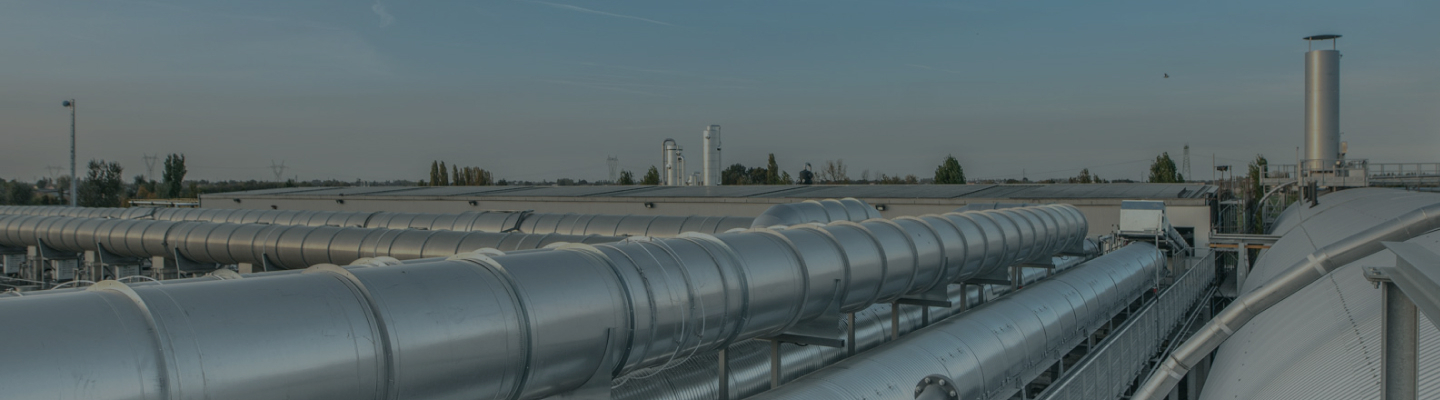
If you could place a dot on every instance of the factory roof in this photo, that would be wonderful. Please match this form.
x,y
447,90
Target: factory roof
x,y
978,191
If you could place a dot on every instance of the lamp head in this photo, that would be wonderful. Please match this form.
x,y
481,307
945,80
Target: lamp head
x,y
66,103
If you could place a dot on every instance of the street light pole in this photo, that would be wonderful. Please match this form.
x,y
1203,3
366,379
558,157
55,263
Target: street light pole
x,y
74,179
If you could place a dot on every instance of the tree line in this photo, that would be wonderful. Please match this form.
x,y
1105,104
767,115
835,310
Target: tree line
x,y
457,176
833,172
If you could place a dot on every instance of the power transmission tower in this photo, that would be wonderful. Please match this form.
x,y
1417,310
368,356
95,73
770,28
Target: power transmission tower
x,y
277,169
150,166
614,163
1185,169
54,169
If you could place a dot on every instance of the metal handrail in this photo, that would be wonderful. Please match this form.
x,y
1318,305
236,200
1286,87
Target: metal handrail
x,y
1108,370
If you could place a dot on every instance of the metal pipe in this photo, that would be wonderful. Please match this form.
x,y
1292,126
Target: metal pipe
x,y
481,221
748,365
268,246
995,349
822,211
517,326
1297,276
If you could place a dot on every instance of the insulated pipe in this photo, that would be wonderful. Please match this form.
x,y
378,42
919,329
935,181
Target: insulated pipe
x,y
482,221
992,350
749,361
846,209
1300,274
517,326
269,246
822,211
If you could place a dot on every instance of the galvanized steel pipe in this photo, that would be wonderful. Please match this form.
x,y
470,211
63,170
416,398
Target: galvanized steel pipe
x,y
266,246
516,326
990,352
822,211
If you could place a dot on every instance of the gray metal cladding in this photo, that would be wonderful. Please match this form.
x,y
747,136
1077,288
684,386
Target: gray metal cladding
x,y
828,210
525,325
271,246
990,350
481,221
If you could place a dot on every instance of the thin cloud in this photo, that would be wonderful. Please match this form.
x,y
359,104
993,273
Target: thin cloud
x,y
385,18
927,67
597,12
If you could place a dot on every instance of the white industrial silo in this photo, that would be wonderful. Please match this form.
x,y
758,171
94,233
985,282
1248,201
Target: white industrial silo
x,y
667,162
712,155
1322,106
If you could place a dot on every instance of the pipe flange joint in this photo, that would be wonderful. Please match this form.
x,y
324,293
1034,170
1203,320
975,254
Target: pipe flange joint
x,y
936,387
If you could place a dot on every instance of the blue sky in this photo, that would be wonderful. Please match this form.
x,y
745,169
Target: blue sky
x,y
546,89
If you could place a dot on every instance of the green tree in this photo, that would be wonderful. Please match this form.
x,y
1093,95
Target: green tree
x,y
1083,177
434,173
104,186
20,193
626,178
1163,170
444,175
772,172
735,174
785,178
949,172
652,177
173,176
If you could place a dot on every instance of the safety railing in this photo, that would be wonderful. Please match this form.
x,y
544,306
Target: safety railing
x,y
1109,369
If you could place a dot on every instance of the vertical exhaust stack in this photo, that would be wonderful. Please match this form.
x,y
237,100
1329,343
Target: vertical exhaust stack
x,y
712,155
1322,106
667,162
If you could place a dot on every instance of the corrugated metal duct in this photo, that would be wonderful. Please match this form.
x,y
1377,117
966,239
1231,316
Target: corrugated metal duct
x,y
481,221
517,326
266,246
749,361
846,209
989,352
821,211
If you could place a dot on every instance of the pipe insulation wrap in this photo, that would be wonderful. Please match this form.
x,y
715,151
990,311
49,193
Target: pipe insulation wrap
x,y
991,350
277,246
525,325
749,361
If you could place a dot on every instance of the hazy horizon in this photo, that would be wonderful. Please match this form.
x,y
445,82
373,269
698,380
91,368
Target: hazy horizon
x,y
539,90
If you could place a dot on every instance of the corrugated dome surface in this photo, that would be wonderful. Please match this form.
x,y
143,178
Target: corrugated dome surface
x,y
1323,342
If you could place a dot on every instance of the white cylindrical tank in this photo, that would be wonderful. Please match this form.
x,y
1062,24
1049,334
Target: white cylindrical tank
x,y
667,162
1322,109
712,155
680,172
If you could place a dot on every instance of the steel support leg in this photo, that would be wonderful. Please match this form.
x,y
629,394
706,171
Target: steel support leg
x,y
894,320
1398,379
774,364
724,375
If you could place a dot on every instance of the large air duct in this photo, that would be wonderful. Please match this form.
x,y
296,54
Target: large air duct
x,y
1322,107
989,352
474,221
711,137
517,326
265,246
750,361
822,211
